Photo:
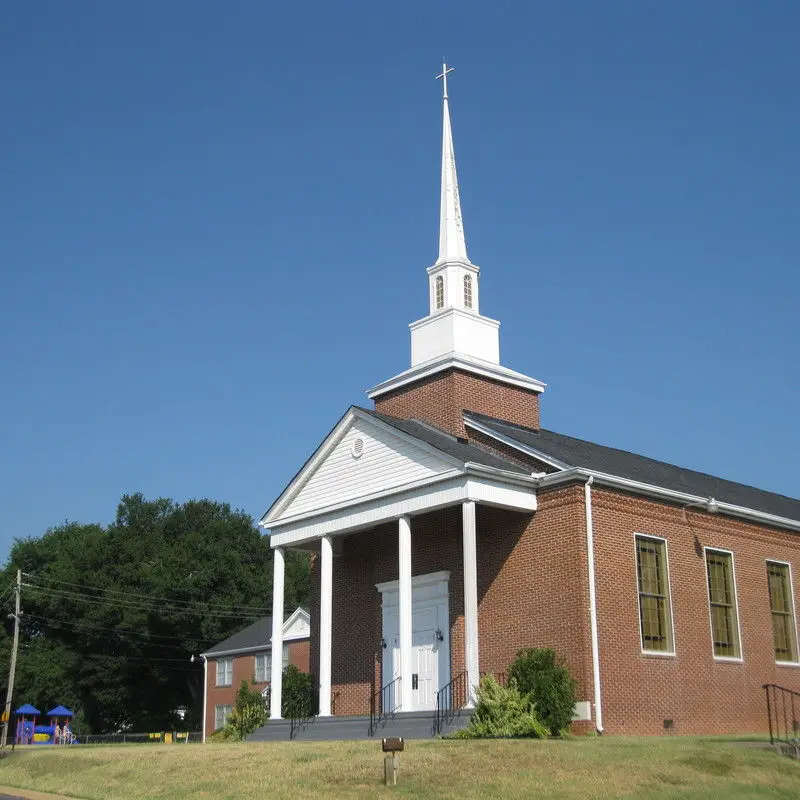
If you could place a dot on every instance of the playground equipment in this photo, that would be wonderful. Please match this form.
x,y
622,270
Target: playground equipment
x,y
58,730
26,722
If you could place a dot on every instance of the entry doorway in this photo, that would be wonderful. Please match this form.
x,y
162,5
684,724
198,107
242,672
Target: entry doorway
x,y
430,624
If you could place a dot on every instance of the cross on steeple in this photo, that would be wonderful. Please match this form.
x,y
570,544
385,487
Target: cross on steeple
x,y
445,72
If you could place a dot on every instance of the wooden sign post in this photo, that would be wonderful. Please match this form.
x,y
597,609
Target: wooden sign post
x,y
391,747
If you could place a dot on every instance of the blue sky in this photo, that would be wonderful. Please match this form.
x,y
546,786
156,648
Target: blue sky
x,y
216,219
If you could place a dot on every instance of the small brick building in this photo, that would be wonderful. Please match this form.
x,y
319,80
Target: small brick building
x,y
449,530
247,656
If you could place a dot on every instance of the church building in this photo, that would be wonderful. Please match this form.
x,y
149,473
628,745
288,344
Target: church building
x,y
449,529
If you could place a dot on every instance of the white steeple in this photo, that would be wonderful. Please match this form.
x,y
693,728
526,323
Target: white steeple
x,y
454,335
451,227
454,323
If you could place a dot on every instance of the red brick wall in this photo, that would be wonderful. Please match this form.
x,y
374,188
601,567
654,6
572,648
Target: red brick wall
x,y
244,668
523,599
699,694
440,400
533,591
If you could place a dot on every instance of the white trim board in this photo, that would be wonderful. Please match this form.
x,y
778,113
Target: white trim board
x,y
461,361
452,491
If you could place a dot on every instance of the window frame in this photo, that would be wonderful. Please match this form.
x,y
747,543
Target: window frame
x,y
266,654
671,653
796,662
729,659
467,286
437,282
221,660
225,714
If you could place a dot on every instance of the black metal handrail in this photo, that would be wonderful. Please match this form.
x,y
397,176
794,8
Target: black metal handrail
x,y
782,714
449,700
378,703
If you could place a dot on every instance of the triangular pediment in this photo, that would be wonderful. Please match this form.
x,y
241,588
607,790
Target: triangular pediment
x,y
363,457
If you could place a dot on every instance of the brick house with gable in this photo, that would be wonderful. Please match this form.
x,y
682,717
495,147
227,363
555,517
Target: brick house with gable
x,y
247,655
449,530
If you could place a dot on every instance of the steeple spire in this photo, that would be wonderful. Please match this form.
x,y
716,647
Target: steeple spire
x,y
452,246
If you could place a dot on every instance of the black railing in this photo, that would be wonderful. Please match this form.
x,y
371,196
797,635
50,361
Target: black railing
x,y
381,704
450,699
783,714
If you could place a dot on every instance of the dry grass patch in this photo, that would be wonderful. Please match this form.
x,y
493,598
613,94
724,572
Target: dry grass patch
x,y
611,767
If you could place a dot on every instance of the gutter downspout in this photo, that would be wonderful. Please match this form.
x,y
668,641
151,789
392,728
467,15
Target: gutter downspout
x,y
205,695
598,704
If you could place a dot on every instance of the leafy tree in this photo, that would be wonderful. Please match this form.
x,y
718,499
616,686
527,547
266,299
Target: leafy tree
x,y
297,692
542,675
112,615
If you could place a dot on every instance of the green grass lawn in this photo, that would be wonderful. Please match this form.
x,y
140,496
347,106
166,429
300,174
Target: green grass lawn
x,y
609,767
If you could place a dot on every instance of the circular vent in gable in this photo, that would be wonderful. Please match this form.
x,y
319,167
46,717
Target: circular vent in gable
x,y
358,447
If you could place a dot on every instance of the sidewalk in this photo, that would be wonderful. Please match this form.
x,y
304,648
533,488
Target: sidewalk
x,y
9,793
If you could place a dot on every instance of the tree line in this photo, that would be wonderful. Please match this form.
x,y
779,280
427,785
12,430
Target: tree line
x,y
112,615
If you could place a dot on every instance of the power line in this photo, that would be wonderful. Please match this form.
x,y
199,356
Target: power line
x,y
260,610
84,627
139,605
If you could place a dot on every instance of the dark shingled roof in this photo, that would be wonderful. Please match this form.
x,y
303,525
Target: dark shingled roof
x,y
622,464
256,635
446,443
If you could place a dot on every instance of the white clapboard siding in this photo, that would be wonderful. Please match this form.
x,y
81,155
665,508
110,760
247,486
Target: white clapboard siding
x,y
387,461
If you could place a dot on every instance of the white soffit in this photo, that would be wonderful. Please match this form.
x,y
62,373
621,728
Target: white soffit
x,y
462,362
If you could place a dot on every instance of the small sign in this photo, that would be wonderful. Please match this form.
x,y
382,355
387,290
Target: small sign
x,y
393,744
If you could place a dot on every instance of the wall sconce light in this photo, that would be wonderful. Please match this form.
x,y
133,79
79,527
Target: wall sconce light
x,y
439,635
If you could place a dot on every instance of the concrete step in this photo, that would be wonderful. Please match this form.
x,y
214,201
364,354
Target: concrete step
x,y
409,725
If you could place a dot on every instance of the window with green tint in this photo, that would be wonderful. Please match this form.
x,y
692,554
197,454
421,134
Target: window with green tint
x,y
784,633
722,601
655,614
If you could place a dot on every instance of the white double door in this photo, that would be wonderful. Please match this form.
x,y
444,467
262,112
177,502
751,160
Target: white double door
x,y
430,645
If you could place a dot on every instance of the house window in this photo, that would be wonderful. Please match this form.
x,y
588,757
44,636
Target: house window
x,y
781,603
655,613
263,667
224,671
221,714
722,603
439,291
468,291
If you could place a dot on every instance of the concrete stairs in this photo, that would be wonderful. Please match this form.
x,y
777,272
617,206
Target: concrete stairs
x,y
409,725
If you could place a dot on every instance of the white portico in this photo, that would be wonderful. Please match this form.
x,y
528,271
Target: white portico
x,y
371,470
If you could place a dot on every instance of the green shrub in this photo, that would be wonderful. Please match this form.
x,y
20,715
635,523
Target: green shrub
x,y
298,694
542,675
502,713
249,712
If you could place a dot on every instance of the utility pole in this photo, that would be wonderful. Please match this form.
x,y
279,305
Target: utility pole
x,y
13,667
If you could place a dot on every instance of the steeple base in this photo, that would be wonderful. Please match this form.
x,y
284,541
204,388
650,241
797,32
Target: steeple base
x,y
440,390
455,331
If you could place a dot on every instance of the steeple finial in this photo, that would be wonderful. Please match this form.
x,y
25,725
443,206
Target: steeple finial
x,y
452,245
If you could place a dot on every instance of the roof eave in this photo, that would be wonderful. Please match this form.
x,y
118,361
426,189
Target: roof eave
x,y
662,493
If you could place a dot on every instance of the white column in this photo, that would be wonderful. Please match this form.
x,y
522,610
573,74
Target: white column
x,y
276,676
325,626
405,600
470,600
